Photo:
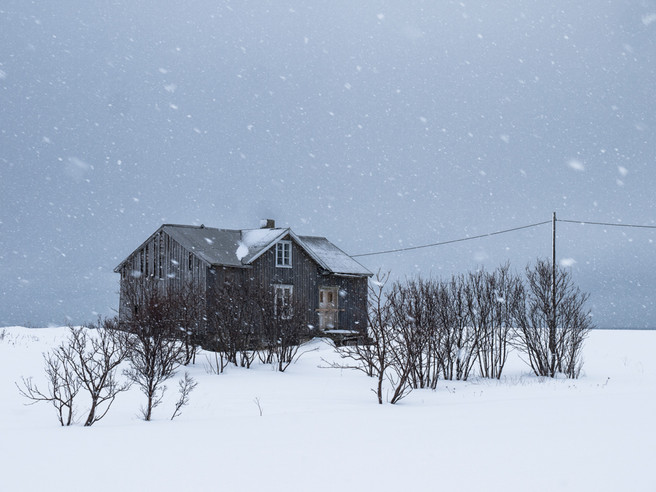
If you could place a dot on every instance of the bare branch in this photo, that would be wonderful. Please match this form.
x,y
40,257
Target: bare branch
x,y
186,386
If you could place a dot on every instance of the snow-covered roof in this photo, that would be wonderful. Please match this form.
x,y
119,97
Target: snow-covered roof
x,y
238,248
331,257
214,246
254,242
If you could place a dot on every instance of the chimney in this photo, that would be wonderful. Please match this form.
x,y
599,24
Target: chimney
x,y
267,224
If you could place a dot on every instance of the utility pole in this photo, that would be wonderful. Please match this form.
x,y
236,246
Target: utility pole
x,y
553,263
552,328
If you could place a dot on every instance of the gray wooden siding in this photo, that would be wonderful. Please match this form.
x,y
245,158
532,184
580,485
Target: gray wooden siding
x,y
164,258
307,277
352,300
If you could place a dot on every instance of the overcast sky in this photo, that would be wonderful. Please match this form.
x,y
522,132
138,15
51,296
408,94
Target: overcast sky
x,y
376,124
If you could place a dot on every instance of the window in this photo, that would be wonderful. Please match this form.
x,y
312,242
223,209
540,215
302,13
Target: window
x,y
190,264
284,254
283,301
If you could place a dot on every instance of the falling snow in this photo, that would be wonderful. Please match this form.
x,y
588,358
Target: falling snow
x,y
374,125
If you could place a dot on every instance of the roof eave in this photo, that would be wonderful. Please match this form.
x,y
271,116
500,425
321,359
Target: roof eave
x,y
120,265
348,274
312,255
270,245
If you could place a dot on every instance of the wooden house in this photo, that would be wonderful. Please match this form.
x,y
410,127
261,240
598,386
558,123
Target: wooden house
x,y
330,283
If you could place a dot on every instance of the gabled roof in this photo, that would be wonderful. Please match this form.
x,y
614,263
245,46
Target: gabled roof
x,y
240,248
213,246
255,242
330,257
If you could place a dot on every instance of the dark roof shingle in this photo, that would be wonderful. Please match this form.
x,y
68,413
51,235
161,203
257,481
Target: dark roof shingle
x,y
238,248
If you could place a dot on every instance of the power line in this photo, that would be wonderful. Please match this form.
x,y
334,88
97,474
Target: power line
x,y
398,250
582,222
606,224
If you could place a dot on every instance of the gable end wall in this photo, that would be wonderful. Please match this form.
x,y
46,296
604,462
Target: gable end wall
x,y
164,258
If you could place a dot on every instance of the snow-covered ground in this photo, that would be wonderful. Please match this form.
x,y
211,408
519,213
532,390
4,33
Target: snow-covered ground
x,y
321,429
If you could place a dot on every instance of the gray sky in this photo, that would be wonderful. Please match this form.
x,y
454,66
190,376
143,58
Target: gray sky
x,y
376,124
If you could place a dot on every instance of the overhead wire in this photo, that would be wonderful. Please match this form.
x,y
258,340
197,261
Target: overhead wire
x,y
583,222
469,238
505,231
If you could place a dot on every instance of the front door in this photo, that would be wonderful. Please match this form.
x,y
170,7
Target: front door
x,y
328,308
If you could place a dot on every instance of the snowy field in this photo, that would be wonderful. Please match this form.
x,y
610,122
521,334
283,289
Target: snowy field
x,y
321,429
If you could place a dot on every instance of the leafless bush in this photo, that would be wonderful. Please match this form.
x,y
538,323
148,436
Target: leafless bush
x,y
385,356
233,319
492,299
419,329
246,321
257,401
216,362
185,386
283,328
154,359
95,359
183,307
457,338
436,321
455,324
372,357
84,361
156,350
188,307
415,332
404,354
551,331
63,386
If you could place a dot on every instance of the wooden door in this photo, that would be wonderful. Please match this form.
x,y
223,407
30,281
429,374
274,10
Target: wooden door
x,y
328,308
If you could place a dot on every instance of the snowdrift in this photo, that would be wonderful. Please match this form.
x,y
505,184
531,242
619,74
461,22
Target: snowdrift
x,y
320,429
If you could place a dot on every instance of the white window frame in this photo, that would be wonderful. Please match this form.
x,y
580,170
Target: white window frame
x,y
284,260
284,292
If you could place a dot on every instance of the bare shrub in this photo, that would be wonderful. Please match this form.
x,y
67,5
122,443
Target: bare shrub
x,y
404,353
492,299
63,386
415,331
185,386
233,319
216,362
372,356
84,361
257,401
283,327
456,341
189,308
247,321
551,331
437,316
447,327
154,359
95,359
156,350
384,356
